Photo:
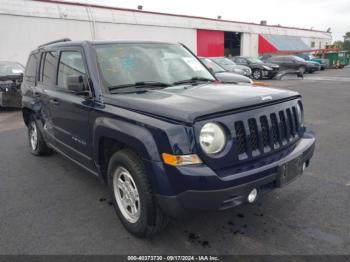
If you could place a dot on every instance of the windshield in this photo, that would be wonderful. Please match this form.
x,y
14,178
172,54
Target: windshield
x,y
129,64
223,61
210,64
255,60
7,68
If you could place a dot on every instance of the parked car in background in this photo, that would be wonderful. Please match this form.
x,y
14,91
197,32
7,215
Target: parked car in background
x,y
163,135
292,62
223,75
11,76
315,64
324,63
259,68
231,66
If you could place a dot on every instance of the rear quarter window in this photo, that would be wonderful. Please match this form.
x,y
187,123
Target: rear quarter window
x,y
30,71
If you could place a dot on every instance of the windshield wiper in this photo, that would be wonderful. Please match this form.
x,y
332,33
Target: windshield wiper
x,y
193,80
142,84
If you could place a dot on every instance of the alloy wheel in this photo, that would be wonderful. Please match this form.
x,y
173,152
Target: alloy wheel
x,y
33,135
126,195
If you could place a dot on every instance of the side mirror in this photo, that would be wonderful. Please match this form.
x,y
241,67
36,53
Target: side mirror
x,y
75,83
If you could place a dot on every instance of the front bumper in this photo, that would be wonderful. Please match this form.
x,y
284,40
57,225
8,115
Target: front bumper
x,y
10,99
269,73
220,199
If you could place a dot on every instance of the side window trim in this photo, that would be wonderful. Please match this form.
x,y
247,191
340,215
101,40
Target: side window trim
x,y
39,77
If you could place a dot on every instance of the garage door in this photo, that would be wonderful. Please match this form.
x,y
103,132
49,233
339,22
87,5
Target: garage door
x,y
210,43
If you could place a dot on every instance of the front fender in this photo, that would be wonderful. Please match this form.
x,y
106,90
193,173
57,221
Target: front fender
x,y
134,136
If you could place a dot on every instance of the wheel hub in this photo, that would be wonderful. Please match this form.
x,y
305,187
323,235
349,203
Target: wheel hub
x,y
126,195
33,136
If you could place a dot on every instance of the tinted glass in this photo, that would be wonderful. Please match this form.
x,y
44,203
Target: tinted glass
x,y
9,68
71,64
210,64
255,60
49,69
297,58
240,60
223,61
127,64
30,71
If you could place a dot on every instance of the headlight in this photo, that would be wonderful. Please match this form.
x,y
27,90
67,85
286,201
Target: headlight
x,y
300,114
267,68
212,138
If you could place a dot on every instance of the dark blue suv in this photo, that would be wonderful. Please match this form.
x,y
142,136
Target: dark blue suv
x,y
155,125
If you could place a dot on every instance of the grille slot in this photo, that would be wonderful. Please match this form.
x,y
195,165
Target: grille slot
x,y
274,127
295,113
284,127
291,122
265,131
253,130
240,136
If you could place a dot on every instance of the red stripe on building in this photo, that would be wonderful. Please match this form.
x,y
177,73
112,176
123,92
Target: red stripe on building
x,y
210,43
265,46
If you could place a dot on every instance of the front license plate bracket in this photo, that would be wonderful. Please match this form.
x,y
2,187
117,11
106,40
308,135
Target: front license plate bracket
x,y
289,171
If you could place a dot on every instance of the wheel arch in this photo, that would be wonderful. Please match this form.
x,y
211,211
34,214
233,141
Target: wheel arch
x,y
26,113
111,135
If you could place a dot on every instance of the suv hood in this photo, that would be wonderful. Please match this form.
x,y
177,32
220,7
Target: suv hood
x,y
229,77
187,103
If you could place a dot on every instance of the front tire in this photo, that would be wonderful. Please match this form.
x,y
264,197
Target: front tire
x,y
37,144
132,195
257,74
302,69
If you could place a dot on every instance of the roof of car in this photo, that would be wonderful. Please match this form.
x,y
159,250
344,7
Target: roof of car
x,y
95,42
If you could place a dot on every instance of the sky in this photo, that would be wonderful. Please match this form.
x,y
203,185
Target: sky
x,y
316,14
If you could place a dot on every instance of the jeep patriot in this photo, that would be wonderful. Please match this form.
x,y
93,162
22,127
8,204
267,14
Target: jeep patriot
x,y
166,137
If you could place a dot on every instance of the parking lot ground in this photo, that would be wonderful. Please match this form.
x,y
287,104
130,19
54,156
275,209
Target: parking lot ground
x,y
48,205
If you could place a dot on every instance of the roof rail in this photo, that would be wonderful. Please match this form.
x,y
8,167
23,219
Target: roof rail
x,y
56,41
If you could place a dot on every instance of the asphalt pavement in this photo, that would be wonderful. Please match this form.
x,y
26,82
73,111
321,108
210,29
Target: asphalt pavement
x,y
49,205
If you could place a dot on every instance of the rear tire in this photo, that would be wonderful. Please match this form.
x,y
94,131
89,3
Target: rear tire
x,y
37,144
132,195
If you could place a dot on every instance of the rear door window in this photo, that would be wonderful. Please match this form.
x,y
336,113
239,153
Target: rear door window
x,y
49,68
30,71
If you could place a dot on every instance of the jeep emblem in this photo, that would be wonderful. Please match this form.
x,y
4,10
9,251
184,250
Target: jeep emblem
x,y
266,98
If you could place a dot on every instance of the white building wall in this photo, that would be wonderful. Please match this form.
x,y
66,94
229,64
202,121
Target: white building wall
x,y
249,44
107,31
318,42
21,35
27,24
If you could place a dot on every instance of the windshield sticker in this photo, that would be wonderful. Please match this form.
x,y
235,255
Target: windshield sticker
x,y
127,63
193,63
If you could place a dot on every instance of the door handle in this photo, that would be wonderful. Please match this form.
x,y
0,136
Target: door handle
x,y
36,94
54,101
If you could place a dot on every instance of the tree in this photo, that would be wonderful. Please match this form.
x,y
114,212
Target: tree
x,y
339,44
344,45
